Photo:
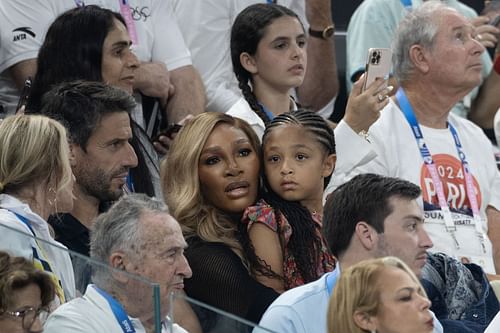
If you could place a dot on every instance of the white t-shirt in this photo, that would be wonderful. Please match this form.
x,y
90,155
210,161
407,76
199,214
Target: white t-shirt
x,y
92,313
22,243
398,156
25,23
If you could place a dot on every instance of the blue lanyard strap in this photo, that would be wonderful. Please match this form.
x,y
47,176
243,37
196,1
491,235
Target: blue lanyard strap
x,y
407,110
26,222
120,314
331,280
269,114
406,3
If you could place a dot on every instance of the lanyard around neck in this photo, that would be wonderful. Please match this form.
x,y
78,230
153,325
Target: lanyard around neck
x,y
407,110
406,3
127,16
119,312
268,113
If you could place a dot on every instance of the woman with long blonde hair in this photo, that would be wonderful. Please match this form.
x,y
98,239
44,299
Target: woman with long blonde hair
x,y
210,176
35,181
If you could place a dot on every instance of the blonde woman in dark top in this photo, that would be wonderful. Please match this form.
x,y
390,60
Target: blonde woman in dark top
x,y
210,176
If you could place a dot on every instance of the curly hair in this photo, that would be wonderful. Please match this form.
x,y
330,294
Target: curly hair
x,y
305,243
17,273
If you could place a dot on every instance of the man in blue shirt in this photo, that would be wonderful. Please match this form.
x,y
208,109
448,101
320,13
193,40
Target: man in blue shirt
x,y
368,217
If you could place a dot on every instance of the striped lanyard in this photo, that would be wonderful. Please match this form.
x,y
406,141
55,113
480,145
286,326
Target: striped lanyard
x,y
42,258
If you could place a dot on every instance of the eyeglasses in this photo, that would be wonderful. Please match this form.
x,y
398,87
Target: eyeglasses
x,y
29,315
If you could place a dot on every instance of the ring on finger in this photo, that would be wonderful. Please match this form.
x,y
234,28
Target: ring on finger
x,y
380,97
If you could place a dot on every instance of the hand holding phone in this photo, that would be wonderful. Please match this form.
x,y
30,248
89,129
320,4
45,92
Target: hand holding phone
x,y
23,99
378,64
168,132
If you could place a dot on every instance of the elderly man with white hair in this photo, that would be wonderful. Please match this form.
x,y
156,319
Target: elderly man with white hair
x,y
139,237
437,61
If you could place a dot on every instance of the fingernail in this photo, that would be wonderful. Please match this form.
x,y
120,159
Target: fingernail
x,y
389,88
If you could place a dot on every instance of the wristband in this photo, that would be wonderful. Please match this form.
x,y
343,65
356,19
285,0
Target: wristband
x,y
496,66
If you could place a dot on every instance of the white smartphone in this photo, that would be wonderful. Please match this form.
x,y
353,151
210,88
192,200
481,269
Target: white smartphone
x,y
378,64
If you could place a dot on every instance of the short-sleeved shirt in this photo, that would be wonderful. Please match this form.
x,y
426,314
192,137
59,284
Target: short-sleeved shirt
x,y
25,23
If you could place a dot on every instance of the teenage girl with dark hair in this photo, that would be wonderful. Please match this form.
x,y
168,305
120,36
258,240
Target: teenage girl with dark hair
x,y
285,227
268,52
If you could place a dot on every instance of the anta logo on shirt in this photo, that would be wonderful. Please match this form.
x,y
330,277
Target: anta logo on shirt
x,y
21,33
452,177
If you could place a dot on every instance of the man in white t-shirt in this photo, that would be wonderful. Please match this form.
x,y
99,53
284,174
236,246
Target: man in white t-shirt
x,y
165,60
143,244
437,61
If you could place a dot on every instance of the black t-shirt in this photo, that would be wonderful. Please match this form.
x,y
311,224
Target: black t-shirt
x,y
70,232
76,237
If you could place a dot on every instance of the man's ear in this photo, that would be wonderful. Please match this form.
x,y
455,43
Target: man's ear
x,y
329,165
366,235
364,321
420,57
117,260
248,62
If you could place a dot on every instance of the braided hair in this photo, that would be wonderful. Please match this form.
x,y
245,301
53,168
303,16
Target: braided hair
x,y
305,243
248,29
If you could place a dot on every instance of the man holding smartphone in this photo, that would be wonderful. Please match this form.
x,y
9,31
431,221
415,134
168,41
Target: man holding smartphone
x,y
373,24
437,61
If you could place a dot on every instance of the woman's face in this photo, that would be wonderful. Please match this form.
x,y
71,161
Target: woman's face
x,y
229,170
118,61
403,308
27,297
280,60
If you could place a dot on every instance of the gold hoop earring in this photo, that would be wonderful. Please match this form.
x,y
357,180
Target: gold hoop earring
x,y
52,202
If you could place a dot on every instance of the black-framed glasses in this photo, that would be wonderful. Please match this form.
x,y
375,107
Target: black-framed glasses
x,y
29,315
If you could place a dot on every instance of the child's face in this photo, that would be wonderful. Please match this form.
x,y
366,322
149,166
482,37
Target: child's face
x,y
296,164
280,60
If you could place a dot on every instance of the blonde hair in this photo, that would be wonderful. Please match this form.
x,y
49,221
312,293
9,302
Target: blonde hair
x,y
181,184
33,149
358,290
